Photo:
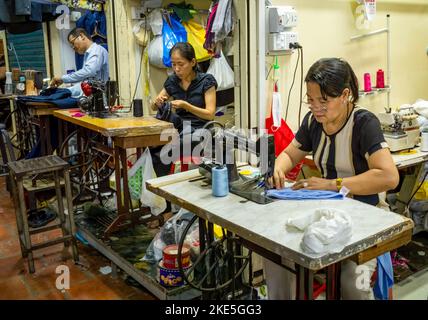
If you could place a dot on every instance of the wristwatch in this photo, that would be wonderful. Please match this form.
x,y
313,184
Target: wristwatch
x,y
339,183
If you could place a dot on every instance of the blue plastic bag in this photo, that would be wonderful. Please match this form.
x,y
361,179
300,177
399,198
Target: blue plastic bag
x,y
171,33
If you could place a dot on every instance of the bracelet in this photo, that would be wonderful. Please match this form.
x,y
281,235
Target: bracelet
x,y
339,183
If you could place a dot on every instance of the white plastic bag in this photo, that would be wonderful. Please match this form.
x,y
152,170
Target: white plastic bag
x,y
156,22
155,51
144,167
222,72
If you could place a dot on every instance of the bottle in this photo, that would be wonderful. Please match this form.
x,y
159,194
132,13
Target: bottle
x,y
8,87
367,82
380,79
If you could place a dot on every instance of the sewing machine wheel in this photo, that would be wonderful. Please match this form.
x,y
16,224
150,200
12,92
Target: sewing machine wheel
x,y
218,269
91,174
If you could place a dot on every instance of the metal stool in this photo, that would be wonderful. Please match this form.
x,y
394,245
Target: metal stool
x,y
56,166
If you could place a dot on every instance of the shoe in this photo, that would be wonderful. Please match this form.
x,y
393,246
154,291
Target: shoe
x,y
41,217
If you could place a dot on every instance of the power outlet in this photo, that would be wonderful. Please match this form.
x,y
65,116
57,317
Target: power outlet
x,y
137,13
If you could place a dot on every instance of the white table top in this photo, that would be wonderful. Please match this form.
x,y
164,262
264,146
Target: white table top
x,y
264,225
409,159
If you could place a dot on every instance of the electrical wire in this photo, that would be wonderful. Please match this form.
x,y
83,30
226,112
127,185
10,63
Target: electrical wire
x,y
417,189
301,84
292,84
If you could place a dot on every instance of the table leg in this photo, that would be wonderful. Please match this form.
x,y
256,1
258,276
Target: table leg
x,y
300,281
333,281
42,136
410,183
48,134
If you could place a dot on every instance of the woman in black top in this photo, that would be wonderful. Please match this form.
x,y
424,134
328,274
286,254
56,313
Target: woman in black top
x,y
193,95
349,150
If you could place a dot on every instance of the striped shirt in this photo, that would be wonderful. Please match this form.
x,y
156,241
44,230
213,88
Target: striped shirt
x,y
345,153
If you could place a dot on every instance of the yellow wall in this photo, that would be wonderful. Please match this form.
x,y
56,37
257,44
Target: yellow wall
x,y
325,28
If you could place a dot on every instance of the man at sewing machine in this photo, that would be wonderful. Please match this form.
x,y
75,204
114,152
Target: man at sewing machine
x,y
349,150
193,95
95,61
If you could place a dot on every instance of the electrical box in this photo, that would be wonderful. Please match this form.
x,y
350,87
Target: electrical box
x,y
137,13
280,20
281,41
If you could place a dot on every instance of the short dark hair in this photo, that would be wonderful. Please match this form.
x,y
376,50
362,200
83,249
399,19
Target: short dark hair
x,y
186,50
333,75
77,31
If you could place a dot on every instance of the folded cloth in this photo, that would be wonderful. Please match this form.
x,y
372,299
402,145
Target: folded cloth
x,y
303,194
326,230
58,96
385,277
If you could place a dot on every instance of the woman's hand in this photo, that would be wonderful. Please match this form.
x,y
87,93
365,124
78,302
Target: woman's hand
x,y
160,100
278,179
180,104
315,183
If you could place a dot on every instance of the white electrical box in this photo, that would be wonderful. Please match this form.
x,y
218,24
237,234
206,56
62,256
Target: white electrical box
x,y
281,41
281,18
137,13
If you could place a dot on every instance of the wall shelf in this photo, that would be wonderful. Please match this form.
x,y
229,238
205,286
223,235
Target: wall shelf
x,y
374,91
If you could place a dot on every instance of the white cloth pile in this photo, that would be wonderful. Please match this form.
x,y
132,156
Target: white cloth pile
x,y
325,231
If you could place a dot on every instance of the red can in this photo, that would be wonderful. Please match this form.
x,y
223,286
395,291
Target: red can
x,y
170,255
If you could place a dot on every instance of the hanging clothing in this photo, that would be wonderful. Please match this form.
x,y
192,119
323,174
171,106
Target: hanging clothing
x,y
95,24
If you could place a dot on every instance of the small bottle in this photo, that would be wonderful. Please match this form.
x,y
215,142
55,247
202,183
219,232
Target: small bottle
x,y
380,79
367,82
8,87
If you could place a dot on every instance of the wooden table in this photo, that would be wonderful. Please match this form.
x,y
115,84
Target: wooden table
x,y
375,231
126,132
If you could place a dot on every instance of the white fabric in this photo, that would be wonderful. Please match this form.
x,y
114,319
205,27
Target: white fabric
x,y
421,107
276,109
326,231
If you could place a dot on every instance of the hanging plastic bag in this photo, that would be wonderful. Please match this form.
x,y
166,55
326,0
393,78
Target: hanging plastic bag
x,y
172,33
140,172
141,33
196,37
283,136
156,22
170,233
222,72
155,52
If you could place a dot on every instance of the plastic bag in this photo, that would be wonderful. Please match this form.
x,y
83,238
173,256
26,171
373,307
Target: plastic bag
x,y
170,233
196,37
222,72
172,33
156,22
155,52
140,172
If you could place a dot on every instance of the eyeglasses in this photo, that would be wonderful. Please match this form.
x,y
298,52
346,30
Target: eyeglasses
x,y
322,106
72,41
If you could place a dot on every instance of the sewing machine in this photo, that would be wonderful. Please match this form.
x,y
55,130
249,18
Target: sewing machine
x,y
98,98
224,144
400,129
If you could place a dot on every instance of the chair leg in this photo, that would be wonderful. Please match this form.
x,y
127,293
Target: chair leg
x,y
18,216
71,214
27,237
65,230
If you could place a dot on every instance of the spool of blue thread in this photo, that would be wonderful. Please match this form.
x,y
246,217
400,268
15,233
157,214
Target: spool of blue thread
x,y
220,181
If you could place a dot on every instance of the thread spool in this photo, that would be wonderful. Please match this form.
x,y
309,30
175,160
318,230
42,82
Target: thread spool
x,y
367,82
424,141
8,87
220,181
380,79
138,107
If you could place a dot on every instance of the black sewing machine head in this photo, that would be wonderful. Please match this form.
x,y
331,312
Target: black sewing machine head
x,y
98,97
224,144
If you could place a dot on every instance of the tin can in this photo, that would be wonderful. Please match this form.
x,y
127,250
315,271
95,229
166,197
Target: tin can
x,y
170,255
171,277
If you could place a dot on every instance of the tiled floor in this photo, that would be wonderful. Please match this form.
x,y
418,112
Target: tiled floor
x,y
86,281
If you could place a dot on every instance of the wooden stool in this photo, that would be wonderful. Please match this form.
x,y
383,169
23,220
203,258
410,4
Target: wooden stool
x,y
56,166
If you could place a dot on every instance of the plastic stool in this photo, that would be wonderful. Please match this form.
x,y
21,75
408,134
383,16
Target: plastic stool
x,y
56,166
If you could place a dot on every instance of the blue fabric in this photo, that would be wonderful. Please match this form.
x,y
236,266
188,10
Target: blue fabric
x,y
57,96
89,21
385,277
95,66
303,194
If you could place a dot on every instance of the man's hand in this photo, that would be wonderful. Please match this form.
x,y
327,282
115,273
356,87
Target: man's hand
x,y
315,183
56,82
180,104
